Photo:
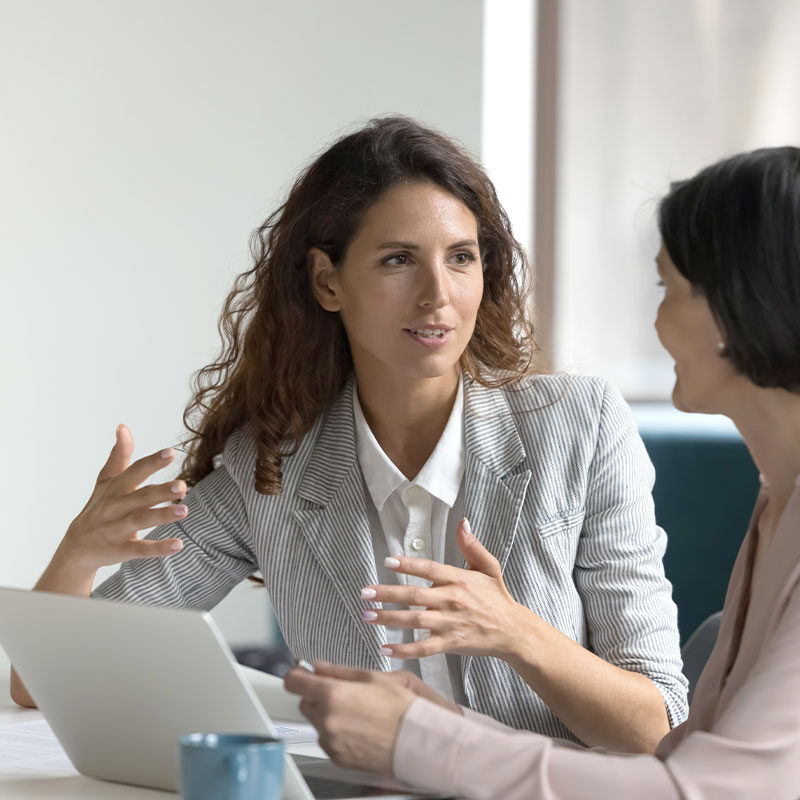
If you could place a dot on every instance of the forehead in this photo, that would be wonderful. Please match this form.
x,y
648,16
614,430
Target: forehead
x,y
420,208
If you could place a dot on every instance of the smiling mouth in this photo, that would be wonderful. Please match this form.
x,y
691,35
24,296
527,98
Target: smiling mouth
x,y
429,333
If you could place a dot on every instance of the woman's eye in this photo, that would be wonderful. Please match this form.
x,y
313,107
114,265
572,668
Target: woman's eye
x,y
397,260
462,259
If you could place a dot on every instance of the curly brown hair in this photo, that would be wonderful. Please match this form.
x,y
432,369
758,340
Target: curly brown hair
x,y
283,357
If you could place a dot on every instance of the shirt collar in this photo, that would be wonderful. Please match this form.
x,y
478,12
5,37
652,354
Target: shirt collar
x,y
440,475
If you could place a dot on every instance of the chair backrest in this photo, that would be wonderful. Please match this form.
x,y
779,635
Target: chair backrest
x,y
706,486
698,648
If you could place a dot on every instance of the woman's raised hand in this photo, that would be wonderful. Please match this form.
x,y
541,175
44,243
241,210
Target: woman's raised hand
x,y
105,532
467,611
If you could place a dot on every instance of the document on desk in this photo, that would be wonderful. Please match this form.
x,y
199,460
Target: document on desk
x,y
33,746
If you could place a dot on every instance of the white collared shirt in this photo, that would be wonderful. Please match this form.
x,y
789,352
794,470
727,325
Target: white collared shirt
x,y
416,518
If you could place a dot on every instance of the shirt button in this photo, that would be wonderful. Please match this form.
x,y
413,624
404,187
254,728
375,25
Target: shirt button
x,y
413,493
418,544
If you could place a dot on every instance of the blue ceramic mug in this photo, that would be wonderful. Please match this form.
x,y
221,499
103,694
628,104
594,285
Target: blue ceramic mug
x,y
231,766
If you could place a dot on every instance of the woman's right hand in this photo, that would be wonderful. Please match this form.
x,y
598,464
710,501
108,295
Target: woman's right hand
x,y
105,532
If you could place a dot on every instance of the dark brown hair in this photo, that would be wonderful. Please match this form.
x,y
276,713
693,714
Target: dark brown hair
x,y
733,231
284,358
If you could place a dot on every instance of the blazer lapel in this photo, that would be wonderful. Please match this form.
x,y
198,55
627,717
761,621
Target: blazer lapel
x,y
494,485
337,529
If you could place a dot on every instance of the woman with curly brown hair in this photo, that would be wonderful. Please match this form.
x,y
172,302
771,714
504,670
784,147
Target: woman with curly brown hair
x,y
376,389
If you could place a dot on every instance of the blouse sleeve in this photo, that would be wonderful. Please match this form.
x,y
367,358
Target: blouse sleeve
x,y
631,618
752,750
216,554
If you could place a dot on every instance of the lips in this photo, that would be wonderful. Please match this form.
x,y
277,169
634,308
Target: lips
x,y
431,337
430,331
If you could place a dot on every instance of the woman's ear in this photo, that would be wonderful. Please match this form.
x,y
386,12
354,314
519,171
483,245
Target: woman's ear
x,y
324,279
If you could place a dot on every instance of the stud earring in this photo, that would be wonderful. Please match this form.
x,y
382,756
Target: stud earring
x,y
720,346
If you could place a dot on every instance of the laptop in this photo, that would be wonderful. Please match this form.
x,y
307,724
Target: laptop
x,y
120,683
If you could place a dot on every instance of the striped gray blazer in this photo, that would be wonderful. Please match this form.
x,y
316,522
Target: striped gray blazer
x,y
557,488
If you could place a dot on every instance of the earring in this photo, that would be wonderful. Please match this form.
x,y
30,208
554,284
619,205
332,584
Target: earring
x,y
720,346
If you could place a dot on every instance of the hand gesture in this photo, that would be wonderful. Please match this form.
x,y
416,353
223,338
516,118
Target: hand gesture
x,y
105,532
467,611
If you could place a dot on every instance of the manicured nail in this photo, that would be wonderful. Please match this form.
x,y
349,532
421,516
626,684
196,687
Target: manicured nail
x,y
181,510
386,651
368,594
176,488
391,563
369,615
467,527
176,545
168,453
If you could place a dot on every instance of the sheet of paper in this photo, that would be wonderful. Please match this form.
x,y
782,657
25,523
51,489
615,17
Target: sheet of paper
x,y
33,746
295,732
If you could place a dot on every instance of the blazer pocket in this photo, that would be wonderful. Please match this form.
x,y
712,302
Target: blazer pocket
x,y
558,523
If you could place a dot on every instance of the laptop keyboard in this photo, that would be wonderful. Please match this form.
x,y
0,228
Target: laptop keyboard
x,y
329,789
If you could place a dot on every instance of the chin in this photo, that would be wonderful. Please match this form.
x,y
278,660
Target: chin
x,y
677,399
691,405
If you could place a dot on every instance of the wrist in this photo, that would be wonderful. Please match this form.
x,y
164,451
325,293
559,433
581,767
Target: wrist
x,y
69,571
524,648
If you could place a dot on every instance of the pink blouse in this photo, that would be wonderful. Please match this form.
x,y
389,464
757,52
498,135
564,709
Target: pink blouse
x,y
741,740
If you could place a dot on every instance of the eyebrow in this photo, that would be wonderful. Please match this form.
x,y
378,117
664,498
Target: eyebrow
x,y
412,246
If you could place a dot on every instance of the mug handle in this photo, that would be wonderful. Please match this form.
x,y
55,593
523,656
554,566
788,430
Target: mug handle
x,y
237,768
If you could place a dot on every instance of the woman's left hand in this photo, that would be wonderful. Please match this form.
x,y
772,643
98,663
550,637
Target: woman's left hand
x,y
356,713
467,611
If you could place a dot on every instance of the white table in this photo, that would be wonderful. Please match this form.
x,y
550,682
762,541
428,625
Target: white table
x,y
27,784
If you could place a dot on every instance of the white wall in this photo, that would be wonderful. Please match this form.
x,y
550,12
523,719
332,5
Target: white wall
x,y
140,144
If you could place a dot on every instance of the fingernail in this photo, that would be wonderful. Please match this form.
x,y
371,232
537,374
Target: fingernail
x,y
168,453
386,651
391,563
467,526
181,510
368,594
116,430
176,545
176,488
369,615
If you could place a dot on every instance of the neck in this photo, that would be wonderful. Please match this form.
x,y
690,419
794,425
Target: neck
x,y
769,421
407,417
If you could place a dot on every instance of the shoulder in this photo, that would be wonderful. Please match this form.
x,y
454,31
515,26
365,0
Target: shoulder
x,y
562,417
564,399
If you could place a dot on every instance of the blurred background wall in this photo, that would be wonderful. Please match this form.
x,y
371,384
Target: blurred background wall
x,y
141,143
650,91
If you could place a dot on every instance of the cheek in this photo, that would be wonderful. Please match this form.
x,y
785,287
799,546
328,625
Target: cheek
x,y
372,305
665,327
470,295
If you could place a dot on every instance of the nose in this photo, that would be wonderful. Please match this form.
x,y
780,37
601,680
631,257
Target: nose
x,y
434,288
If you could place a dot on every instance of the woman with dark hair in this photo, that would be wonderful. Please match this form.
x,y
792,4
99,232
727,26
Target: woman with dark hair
x,y
730,318
376,387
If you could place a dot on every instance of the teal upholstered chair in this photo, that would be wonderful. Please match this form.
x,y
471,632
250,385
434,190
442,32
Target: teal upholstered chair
x,y
706,485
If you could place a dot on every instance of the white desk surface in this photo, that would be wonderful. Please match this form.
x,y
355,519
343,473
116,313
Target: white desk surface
x,y
27,784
